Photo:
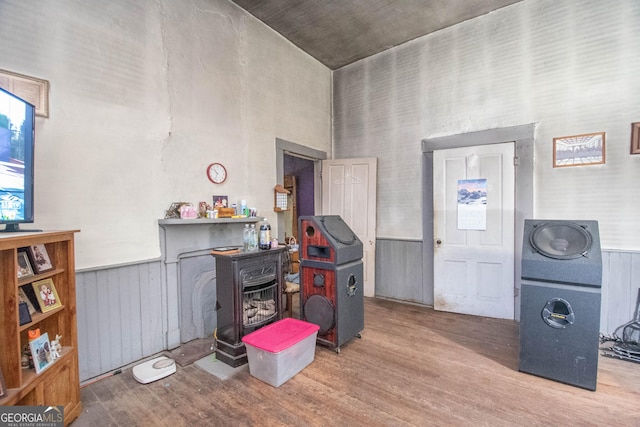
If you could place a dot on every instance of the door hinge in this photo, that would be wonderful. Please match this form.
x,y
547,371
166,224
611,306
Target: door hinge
x,y
516,161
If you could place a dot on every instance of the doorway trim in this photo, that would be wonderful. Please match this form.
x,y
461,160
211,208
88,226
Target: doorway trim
x,y
291,148
523,137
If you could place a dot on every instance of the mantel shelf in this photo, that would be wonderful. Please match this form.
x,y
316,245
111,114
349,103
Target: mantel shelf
x,y
207,221
189,239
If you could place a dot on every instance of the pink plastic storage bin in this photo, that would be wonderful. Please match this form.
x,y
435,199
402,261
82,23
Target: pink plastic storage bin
x,y
280,350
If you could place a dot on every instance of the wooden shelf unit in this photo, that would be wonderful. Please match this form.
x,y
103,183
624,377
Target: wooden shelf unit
x,y
59,384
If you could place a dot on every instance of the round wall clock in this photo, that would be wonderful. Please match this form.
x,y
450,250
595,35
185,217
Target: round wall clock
x,y
216,173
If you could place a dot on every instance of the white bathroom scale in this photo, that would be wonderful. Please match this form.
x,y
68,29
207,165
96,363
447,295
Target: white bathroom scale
x,y
154,369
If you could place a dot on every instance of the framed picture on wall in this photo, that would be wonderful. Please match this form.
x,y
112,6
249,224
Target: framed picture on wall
x,y
579,150
31,89
635,138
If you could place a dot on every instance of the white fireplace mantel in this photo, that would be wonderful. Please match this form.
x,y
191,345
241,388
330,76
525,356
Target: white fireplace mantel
x,y
186,237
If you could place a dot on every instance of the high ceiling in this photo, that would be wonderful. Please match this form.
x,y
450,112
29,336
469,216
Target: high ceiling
x,y
339,32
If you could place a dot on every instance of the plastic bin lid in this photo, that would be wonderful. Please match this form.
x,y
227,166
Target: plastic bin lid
x,y
280,335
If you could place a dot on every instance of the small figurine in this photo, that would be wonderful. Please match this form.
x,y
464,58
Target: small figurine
x,y
58,342
56,347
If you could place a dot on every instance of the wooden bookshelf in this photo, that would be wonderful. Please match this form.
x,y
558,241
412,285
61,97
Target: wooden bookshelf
x,y
59,383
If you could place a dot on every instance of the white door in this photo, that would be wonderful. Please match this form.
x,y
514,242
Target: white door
x,y
349,190
474,241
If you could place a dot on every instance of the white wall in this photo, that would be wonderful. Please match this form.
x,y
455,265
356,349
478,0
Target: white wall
x,y
144,95
570,67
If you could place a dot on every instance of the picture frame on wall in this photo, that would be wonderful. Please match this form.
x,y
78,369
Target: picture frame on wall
x,y
579,150
47,295
635,138
40,257
24,265
31,89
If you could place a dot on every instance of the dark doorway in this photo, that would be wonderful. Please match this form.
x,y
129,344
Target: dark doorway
x,y
299,178
305,164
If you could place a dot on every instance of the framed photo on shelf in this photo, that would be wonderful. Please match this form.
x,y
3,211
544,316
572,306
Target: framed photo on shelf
x,y
28,292
635,138
41,352
47,295
220,202
23,297
579,150
24,265
23,313
40,258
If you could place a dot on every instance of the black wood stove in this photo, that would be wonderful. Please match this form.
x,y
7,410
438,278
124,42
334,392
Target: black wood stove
x,y
249,296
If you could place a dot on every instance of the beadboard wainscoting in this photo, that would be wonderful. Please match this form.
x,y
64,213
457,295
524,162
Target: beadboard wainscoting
x,y
399,271
620,283
120,307
119,316
122,312
399,266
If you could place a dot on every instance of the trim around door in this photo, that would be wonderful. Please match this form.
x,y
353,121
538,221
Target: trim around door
x,y
523,137
291,148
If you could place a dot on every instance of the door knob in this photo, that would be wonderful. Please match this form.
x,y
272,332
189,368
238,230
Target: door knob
x,y
437,242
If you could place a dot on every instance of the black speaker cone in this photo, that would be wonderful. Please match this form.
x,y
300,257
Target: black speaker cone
x,y
319,310
339,230
560,240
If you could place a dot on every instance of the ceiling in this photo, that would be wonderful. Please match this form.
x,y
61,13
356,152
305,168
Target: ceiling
x,y
339,32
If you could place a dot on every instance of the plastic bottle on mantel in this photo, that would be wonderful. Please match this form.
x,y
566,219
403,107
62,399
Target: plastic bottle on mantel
x,y
253,239
265,234
246,235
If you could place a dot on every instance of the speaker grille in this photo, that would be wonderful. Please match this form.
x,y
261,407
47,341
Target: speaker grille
x,y
561,240
319,310
339,230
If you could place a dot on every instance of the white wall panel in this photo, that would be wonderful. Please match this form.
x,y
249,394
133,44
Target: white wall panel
x,y
566,66
144,95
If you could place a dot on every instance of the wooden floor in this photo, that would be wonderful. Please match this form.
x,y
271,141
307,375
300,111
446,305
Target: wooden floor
x,y
413,366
